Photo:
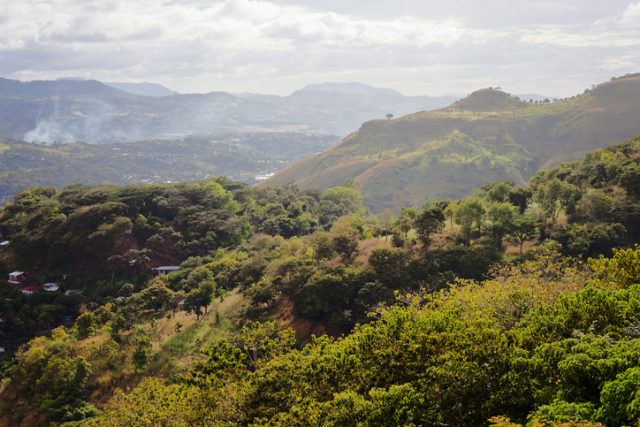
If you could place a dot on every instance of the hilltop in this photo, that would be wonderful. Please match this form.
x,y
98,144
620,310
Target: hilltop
x,y
487,136
352,88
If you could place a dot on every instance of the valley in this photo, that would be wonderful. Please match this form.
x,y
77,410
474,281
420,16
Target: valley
x,y
244,157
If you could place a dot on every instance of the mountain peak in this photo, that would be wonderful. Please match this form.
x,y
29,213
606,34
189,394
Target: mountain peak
x,y
351,88
489,99
143,89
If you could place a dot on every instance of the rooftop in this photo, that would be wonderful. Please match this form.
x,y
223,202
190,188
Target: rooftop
x,y
50,287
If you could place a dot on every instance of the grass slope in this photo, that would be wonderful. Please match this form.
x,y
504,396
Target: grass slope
x,y
487,136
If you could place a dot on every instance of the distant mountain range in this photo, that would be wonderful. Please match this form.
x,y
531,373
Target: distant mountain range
x,y
144,89
351,89
487,136
72,110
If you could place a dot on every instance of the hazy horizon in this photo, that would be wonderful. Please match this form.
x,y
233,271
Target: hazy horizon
x,y
279,46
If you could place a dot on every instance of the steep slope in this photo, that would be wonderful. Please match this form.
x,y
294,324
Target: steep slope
x,y
486,136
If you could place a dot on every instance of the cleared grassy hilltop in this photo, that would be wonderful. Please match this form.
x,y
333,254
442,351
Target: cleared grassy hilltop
x,y
487,136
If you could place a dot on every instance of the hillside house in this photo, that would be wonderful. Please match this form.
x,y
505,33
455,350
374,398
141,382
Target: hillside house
x,y
165,269
17,278
51,287
4,245
29,290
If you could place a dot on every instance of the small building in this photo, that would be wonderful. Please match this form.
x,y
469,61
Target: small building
x,y
73,292
51,287
165,269
29,290
17,278
4,245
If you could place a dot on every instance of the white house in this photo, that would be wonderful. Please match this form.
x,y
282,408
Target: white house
x,y
4,244
29,290
165,269
51,287
17,277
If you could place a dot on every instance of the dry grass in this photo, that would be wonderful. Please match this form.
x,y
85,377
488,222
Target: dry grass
x,y
176,343
365,247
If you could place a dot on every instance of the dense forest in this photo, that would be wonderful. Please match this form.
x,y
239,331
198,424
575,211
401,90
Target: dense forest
x,y
513,306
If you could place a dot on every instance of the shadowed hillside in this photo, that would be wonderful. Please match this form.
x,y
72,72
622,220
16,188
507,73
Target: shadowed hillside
x,y
486,136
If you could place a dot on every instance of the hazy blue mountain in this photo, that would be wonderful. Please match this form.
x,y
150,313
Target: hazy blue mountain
x,y
90,111
144,89
351,88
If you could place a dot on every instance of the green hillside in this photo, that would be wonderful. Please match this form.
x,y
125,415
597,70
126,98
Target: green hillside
x,y
515,306
486,136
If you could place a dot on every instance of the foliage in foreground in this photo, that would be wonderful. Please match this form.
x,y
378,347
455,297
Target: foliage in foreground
x,y
530,345
547,343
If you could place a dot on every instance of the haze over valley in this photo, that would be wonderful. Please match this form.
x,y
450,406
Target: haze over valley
x,y
66,111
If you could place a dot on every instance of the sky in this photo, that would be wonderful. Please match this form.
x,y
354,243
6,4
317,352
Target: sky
x,y
419,47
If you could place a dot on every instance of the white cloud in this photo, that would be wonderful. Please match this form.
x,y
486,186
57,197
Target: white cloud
x,y
274,45
631,16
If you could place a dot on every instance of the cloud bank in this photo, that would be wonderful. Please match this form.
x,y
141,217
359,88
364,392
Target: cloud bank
x,y
278,46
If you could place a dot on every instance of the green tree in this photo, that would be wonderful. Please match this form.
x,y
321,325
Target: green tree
x,y
199,299
262,341
142,342
498,192
406,219
524,228
118,324
555,195
429,221
621,399
502,218
469,213
49,380
85,325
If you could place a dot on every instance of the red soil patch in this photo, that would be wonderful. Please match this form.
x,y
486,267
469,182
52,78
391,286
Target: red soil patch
x,y
303,328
